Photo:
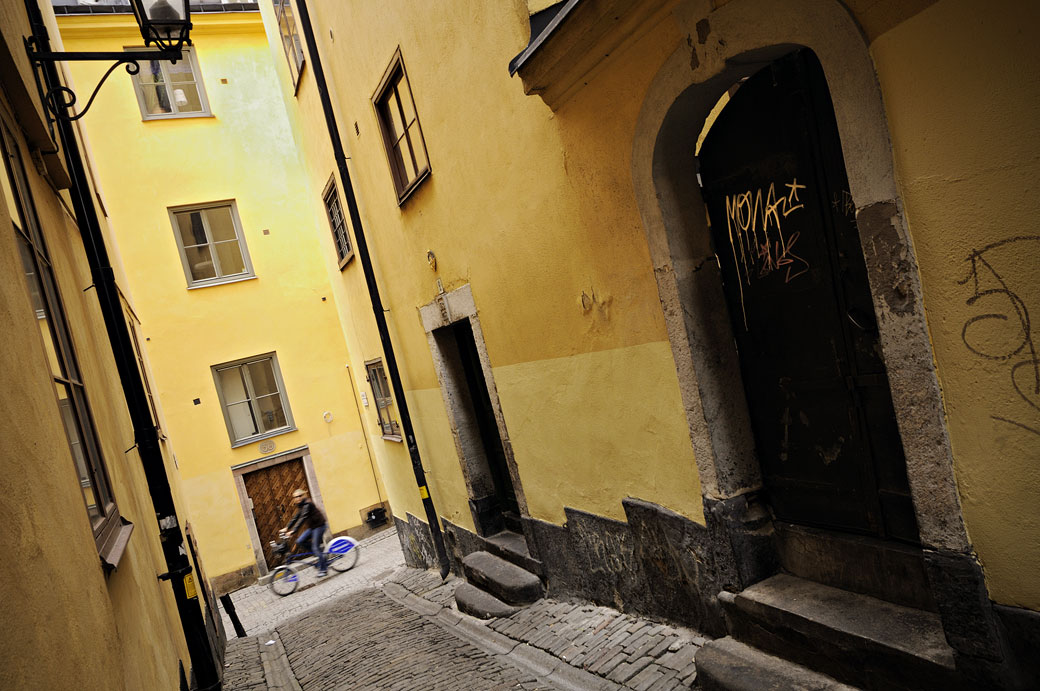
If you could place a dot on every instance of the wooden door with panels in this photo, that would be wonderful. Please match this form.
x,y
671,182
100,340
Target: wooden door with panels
x,y
270,492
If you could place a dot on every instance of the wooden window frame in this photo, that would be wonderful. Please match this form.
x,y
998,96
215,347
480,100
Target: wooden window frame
x,y
375,375
110,530
295,65
330,197
394,75
290,424
189,56
247,272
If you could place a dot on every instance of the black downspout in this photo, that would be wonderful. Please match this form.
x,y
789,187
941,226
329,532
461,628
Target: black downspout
x,y
304,20
203,661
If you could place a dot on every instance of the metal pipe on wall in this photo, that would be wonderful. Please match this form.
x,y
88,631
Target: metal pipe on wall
x,y
393,373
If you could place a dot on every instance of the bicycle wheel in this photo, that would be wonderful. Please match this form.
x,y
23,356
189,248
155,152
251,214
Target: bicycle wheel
x,y
342,553
284,580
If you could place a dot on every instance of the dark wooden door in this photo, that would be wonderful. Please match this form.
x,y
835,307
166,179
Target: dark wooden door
x,y
505,494
784,231
271,491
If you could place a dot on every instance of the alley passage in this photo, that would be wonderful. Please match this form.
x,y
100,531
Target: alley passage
x,y
367,641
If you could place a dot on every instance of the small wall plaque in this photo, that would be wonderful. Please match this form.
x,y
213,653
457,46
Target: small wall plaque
x,y
266,446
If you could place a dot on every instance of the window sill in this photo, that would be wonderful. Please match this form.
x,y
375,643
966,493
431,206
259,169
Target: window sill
x,y
221,282
114,545
393,437
176,116
260,437
346,260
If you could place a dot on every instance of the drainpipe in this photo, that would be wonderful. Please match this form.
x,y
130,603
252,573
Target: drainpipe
x,y
203,661
304,20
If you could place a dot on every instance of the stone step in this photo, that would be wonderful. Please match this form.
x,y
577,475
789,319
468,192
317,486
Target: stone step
x,y
508,582
512,547
854,638
729,665
475,602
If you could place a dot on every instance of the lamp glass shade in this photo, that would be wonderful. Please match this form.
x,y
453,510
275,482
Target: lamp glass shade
x,y
165,22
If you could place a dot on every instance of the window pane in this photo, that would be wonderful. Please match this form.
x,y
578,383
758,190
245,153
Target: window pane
x,y
261,376
181,71
151,73
221,225
72,431
156,99
191,229
43,319
229,254
407,105
271,414
231,385
186,98
403,153
242,423
200,262
392,115
415,138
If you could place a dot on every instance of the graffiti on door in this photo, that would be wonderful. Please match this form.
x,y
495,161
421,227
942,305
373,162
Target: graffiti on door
x,y
1001,329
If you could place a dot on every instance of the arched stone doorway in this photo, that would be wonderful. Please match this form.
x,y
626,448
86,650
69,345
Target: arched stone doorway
x,y
724,47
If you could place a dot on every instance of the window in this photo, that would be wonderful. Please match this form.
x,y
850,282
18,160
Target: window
x,y
211,244
131,319
402,135
384,401
338,224
110,531
252,396
170,90
290,39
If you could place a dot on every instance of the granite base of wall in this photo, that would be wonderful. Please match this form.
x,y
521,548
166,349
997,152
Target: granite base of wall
x,y
234,580
657,563
416,542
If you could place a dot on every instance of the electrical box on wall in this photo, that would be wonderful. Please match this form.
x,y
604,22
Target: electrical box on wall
x,y
364,399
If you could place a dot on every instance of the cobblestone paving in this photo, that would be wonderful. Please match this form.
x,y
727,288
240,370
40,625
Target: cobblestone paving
x,y
386,626
243,669
630,652
370,642
261,610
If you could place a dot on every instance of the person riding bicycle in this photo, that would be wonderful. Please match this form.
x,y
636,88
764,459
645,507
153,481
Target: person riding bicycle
x,y
313,520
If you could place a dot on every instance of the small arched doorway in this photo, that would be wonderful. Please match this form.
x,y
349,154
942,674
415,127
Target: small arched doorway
x,y
784,233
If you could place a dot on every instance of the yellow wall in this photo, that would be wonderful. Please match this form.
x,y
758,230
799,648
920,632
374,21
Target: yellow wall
x,y
507,212
68,625
964,133
243,152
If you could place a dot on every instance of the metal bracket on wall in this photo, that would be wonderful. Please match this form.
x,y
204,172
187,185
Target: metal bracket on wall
x,y
60,99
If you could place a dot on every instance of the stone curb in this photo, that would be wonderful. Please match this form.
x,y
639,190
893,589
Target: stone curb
x,y
277,671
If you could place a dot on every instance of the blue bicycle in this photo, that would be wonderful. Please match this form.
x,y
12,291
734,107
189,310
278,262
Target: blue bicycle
x,y
341,554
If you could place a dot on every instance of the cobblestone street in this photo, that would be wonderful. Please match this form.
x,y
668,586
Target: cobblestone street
x,y
385,626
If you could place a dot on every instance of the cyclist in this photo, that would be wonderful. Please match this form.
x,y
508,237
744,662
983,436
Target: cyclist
x,y
313,520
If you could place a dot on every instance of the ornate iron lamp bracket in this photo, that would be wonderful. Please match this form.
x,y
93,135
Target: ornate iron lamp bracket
x,y
60,99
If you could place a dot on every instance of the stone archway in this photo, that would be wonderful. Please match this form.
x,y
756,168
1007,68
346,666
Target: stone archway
x,y
724,46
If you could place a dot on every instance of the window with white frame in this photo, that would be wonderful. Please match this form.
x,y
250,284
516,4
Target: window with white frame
x,y
252,396
384,399
290,38
212,247
170,90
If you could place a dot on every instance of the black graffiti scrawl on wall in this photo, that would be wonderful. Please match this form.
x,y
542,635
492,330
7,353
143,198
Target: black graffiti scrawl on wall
x,y
1001,329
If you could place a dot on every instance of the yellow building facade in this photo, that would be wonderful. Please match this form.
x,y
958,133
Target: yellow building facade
x,y
237,315
92,510
529,188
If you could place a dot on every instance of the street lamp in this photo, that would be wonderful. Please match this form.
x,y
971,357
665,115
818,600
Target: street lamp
x,y
166,23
